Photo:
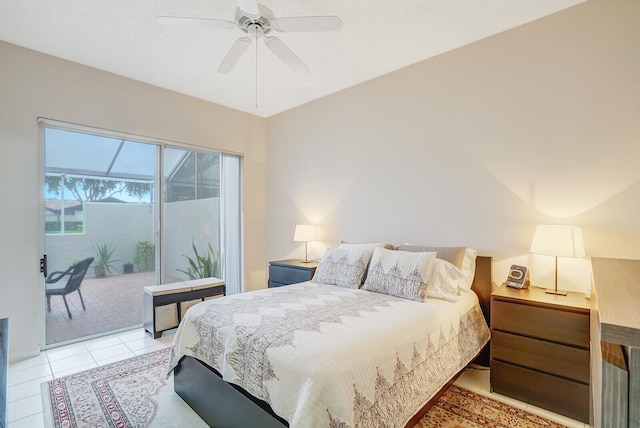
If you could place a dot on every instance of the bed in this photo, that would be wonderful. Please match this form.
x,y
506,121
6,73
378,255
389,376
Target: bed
x,y
317,354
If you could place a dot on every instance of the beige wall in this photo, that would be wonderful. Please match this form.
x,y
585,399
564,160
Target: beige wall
x,y
33,85
540,124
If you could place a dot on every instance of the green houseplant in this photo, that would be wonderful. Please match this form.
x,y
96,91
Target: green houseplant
x,y
104,260
145,256
202,266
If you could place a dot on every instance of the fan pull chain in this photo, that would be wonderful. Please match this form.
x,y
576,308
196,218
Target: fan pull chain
x,y
256,27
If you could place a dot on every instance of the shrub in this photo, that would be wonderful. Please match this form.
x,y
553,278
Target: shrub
x,y
201,266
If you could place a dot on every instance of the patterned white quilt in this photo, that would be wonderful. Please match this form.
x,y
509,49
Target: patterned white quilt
x,y
327,356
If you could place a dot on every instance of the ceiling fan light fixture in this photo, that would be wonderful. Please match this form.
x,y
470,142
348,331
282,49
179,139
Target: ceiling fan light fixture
x,y
245,22
254,20
254,31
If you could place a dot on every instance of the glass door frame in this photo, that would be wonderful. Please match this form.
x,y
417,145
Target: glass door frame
x,y
154,224
159,199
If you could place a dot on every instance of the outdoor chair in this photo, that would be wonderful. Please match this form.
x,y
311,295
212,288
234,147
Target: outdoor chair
x,y
56,287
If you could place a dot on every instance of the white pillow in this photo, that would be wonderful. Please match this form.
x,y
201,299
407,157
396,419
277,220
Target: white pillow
x,y
468,269
443,281
399,273
466,261
343,267
363,246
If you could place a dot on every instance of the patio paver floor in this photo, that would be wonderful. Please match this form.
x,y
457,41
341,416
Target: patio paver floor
x,y
112,303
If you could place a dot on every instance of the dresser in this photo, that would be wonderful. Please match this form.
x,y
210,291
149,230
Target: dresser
x,y
615,332
540,349
285,272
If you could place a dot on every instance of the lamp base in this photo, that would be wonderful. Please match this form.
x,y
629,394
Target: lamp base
x,y
556,292
306,261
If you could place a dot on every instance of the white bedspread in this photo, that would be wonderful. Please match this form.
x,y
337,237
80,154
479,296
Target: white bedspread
x,y
323,356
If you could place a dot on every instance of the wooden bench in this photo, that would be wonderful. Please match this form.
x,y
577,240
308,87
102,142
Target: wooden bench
x,y
164,305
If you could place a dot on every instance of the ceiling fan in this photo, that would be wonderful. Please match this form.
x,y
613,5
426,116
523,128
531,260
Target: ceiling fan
x,y
257,20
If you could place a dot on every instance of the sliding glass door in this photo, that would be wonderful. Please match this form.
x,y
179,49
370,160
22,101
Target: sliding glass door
x,y
191,215
122,213
202,212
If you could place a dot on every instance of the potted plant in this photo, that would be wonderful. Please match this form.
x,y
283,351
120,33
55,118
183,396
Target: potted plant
x,y
127,267
145,256
104,260
202,266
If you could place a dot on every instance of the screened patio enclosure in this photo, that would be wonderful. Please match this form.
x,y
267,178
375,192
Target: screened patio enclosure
x,y
136,206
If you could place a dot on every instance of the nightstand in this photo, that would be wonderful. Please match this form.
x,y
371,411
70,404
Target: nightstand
x,y
285,272
540,349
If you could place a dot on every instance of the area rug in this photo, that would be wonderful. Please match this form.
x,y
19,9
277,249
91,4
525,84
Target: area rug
x,y
459,408
126,394
136,393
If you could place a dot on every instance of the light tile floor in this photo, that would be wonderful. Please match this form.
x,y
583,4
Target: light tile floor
x,y
24,408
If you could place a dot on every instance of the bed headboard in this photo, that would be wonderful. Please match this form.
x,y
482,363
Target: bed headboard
x,y
482,285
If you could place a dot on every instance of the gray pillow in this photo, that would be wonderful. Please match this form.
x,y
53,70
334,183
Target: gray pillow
x,y
454,255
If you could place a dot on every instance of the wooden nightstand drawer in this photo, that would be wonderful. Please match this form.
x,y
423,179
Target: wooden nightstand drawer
x,y
285,272
570,328
540,349
548,357
553,393
288,276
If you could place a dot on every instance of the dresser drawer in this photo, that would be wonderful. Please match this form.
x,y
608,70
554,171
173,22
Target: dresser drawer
x,y
549,392
559,326
288,275
548,357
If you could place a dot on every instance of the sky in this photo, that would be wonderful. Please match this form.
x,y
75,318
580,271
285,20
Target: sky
x,y
86,155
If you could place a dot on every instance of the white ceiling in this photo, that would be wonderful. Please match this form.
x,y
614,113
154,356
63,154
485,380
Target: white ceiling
x,y
379,36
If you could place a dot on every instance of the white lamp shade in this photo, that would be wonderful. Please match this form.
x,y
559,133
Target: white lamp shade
x,y
559,241
305,233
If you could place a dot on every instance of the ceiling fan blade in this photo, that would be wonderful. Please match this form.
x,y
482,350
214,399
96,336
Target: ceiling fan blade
x,y
235,52
287,56
307,23
196,22
249,7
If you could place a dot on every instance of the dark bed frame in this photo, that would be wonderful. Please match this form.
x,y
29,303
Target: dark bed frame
x,y
225,405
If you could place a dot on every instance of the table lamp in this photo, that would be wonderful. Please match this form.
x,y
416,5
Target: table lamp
x,y
305,233
558,241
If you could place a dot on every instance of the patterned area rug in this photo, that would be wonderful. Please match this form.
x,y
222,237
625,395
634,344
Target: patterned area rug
x,y
128,393
136,393
459,408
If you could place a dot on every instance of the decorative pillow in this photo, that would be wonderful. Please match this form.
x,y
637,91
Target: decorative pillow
x,y
399,273
443,281
364,246
342,267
